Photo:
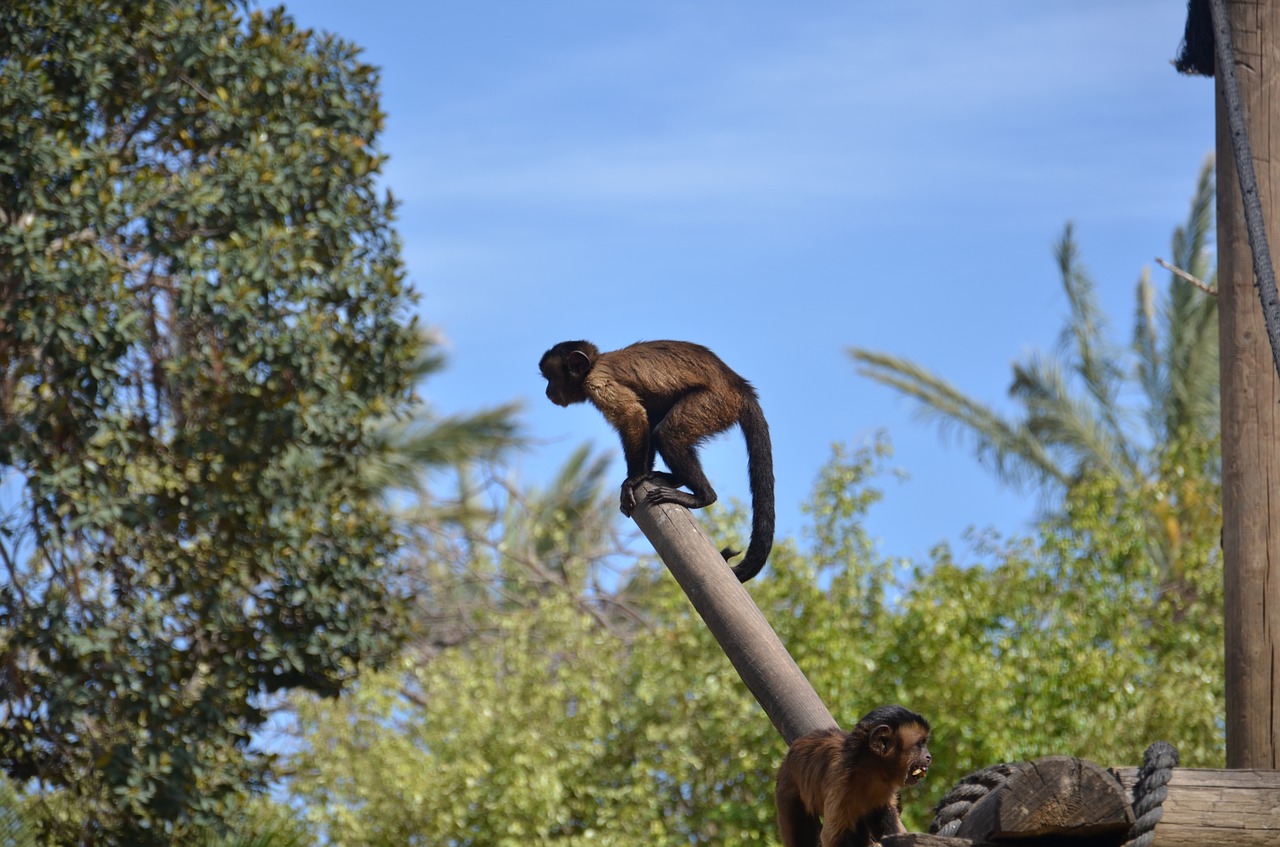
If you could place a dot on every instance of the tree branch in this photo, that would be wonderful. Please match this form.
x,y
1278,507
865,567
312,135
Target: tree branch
x,y
1181,274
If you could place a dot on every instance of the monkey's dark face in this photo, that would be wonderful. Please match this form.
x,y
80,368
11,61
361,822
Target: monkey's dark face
x,y
914,741
562,388
564,367
554,380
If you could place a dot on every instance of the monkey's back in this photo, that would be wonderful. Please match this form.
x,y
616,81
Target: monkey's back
x,y
815,761
667,370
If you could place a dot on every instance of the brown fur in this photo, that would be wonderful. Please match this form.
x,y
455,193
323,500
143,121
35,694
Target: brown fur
x,y
665,398
851,780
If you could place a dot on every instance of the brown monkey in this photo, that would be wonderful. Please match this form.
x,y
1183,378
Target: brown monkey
x,y
851,780
668,397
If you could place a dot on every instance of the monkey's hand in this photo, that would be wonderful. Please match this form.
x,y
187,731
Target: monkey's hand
x,y
627,501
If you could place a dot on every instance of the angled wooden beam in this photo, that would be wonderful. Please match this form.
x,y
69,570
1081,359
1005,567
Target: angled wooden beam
x,y
735,621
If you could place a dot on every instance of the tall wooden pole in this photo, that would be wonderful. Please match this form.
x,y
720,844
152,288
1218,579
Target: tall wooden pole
x,y
1250,402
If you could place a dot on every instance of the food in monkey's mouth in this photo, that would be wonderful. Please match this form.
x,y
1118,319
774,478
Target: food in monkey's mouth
x,y
918,772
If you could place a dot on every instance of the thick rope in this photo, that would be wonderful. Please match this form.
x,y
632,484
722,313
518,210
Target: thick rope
x,y
1150,791
1264,275
952,808
1208,36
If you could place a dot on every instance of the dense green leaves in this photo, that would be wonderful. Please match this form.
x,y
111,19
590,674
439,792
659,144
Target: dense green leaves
x,y
202,315
556,726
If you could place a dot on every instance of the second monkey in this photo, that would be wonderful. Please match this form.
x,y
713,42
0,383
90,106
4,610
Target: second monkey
x,y
668,397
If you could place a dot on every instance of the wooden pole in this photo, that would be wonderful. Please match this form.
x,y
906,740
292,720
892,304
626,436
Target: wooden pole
x,y
1250,402
733,618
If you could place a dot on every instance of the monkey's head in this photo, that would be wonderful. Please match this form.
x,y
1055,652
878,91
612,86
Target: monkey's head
x,y
899,738
565,366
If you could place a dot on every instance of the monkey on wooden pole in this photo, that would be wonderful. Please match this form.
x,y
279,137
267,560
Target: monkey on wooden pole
x,y
665,398
849,780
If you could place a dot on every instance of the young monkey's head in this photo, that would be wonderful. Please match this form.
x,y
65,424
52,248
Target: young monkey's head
x,y
900,738
564,367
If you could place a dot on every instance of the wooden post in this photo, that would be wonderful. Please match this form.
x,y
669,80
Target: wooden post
x,y
733,618
1250,403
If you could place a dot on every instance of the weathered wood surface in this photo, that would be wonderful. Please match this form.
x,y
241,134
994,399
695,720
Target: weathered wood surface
x,y
923,839
1250,401
1051,797
1210,807
733,618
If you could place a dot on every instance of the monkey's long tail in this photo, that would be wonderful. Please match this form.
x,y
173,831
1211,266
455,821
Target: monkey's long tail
x,y
760,476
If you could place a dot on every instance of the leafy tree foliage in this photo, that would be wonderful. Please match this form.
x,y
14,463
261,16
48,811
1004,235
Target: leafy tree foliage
x,y
202,321
15,830
559,727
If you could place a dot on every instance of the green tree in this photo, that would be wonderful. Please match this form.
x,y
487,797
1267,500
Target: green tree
x,y
508,604
1070,643
556,727
202,322
15,829
1072,420
492,549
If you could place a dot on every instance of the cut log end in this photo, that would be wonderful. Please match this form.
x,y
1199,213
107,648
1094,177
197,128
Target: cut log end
x,y
1058,797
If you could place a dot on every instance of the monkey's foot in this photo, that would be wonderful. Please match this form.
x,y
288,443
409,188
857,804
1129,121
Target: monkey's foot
x,y
665,494
664,480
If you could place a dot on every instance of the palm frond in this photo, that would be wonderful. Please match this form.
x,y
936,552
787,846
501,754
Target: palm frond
x,y
580,483
1084,343
1007,447
1072,420
1192,242
1146,346
566,521
1190,402
1067,424
401,451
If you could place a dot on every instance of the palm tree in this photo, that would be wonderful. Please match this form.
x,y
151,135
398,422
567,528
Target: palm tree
x,y
1077,416
401,450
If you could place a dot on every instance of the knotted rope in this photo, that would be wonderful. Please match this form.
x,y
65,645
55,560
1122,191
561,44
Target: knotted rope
x,y
1150,791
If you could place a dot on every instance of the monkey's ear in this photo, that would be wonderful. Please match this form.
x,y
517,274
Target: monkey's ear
x,y
578,363
881,740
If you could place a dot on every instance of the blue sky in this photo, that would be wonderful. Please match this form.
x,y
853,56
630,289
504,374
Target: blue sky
x,y
779,182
